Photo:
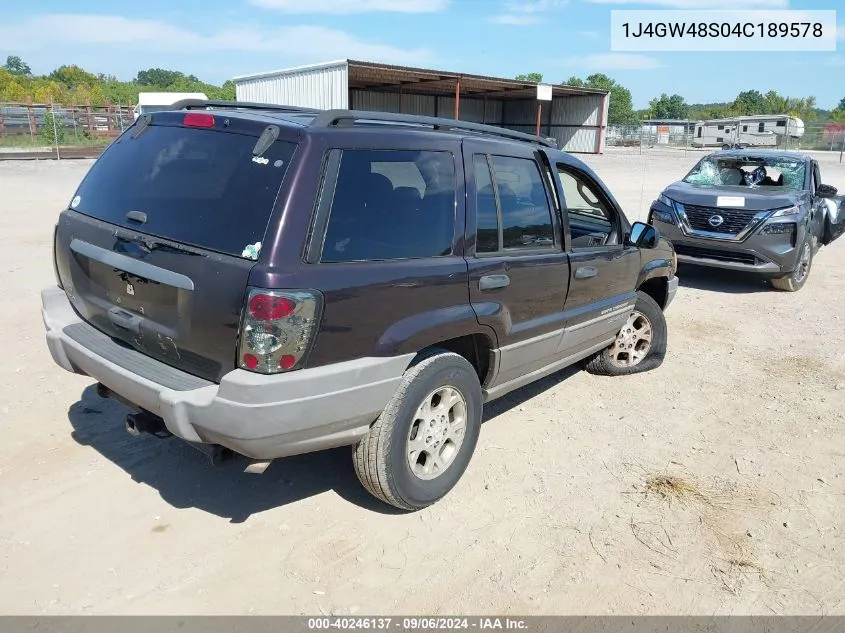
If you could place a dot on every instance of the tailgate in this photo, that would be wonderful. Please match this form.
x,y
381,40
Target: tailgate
x,y
179,305
159,240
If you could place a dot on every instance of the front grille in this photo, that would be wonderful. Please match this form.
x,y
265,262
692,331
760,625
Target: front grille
x,y
735,220
712,253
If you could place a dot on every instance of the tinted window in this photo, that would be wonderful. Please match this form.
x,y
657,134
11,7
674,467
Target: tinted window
x,y
391,205
487,217
526,216
761,127
591,220
197,187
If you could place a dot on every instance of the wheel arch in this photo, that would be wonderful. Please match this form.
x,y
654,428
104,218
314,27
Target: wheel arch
x,y
477,348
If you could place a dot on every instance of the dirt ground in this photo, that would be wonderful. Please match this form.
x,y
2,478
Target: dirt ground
x,y
713,485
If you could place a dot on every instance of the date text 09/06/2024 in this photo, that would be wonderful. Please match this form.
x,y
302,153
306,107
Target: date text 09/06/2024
x,y
725,29
415,623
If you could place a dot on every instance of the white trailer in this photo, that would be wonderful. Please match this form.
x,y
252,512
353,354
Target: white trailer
x,y
748,131
154,101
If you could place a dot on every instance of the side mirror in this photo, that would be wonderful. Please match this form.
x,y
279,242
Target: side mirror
x,y
643,235
826,191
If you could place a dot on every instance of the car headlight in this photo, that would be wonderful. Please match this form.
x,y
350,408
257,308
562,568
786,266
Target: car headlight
x,y
667,217
786,212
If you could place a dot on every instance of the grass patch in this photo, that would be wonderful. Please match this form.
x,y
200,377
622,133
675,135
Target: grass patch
x,y
28,142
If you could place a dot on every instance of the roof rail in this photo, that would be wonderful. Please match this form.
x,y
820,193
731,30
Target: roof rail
x,y
189,104
333,118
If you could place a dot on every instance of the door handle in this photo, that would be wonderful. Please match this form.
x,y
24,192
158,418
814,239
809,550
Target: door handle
x,y
585,272
493,282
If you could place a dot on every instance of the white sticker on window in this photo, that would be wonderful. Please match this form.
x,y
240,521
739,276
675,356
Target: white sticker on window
x,y
730,201
279,163
75,202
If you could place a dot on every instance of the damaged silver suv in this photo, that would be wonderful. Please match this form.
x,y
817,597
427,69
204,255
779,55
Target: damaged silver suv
x,y
761,211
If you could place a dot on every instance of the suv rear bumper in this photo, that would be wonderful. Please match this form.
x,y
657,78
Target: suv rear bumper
x,y
262,417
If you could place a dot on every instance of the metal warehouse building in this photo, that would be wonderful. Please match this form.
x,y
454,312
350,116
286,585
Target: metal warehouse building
x,y
575,117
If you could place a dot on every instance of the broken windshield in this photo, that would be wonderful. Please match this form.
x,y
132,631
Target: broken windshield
x,y
748,172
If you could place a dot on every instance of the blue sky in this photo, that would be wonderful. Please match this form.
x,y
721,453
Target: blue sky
x,y
219,39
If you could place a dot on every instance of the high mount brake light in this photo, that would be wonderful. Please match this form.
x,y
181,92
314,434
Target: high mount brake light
x,y
198,119
278,329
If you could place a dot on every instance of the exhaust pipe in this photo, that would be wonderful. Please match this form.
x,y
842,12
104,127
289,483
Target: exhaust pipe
x,y
143,422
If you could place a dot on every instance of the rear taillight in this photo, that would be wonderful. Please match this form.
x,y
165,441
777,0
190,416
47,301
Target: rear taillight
x,y
277,329
198,119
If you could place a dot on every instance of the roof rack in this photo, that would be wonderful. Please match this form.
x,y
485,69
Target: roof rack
x,y
189,104
334,118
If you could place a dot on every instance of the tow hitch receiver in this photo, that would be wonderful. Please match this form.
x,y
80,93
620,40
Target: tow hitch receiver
x,y
145,422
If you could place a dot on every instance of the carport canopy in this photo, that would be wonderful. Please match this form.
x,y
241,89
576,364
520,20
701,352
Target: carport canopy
x,y
402,79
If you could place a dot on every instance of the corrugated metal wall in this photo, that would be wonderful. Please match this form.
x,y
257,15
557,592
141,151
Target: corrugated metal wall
x,y
573,121
472,110
324,88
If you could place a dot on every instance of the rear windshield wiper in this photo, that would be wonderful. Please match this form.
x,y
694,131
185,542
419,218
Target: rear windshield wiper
x,y
142,124
150,245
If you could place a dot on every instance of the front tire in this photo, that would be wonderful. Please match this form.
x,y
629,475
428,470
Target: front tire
x,y
798,277
421,444
640,345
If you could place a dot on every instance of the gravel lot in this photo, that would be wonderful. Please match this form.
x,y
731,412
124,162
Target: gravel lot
x,y
711,485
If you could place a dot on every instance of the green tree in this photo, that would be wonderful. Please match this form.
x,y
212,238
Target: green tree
x,y
53,129
227,91
774,103
749,102
10,87
73,76
160,77
17,66
574,81
667,107
838,115
621,107
532,77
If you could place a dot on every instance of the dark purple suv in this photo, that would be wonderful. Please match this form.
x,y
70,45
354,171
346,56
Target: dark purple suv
x,y
273,281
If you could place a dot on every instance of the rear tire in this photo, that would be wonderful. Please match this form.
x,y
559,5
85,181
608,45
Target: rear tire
x,y
794,281
640,345
421,444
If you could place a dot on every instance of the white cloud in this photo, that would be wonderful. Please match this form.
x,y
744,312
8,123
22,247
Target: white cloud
x,y
591,34
53,32
515,20
534,6
703,4
614,61
353,6
526,13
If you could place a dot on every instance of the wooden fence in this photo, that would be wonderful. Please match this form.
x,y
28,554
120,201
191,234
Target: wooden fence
x,y
76,121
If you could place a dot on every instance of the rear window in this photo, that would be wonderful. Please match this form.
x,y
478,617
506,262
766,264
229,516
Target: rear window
x,y
391,204
197,187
